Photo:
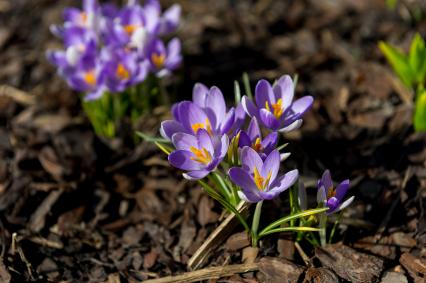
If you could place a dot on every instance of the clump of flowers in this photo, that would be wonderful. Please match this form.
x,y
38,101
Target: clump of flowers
x,y
237,164
115,55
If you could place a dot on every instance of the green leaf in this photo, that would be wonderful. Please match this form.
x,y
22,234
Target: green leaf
x,y
165,148
399,63
246,83
211,192
289,229
151,138
237,92
391,4
420,112
417,58
283,220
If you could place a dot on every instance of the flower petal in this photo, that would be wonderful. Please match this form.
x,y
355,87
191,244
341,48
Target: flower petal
x,y
190,114
326,180
341,189
264,94
228,121
268,119
271,166
321,195
216,103
297,109
195,175
199,94
269,143
244,140
346,203
293,126
249,107
182,159
284,182
183,141
242,179
170,127
205,141
250,159
284,89
253,129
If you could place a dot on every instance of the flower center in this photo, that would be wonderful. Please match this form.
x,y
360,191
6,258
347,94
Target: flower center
x,y
121,72
257,145
84,17
90,78
277,109
331,193
259,180
206,126
158,60
201,155
130,29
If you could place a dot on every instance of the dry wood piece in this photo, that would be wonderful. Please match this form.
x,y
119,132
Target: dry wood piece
x,y
416,266
18,95
216,238
38,218
207,273
350,264
320,275
4,273
278,270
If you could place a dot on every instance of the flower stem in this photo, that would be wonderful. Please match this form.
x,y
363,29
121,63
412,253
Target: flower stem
x,y
255,224
334,227
323,227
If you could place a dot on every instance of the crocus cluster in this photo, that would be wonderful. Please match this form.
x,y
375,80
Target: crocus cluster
x,y
204,130
107,48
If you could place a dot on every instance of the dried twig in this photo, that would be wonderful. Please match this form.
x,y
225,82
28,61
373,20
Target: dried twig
x,y
17,95
207,273
216,238
38,218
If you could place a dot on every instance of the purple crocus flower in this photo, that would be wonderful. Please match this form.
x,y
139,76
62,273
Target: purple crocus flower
x,y
207,111
131,28
124,70
199,154
258,179
85,18
330,196
253,139
169,21
79,44
163,60
274,106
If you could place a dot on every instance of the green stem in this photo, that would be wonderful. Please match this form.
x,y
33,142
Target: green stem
x,y
255,224
334,227
323,231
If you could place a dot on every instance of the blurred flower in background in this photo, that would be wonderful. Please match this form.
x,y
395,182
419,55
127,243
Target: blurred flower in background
x,y
110,49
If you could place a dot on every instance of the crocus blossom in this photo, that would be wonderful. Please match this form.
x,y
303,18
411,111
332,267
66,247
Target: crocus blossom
x,y
198,154
111,49
163,60
330,196
259,179
207,111
274,106
253,138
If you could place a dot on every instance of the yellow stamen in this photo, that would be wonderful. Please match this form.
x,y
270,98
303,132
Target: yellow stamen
x,y
122,73
259,180
276,108
331,193
201,155
257,145
206,126
130,29
158,60
90,78
83,16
